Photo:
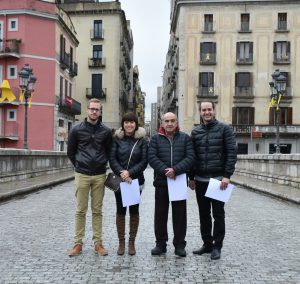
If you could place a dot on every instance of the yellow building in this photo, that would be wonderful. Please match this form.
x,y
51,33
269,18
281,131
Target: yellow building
x,y
104,57
227,51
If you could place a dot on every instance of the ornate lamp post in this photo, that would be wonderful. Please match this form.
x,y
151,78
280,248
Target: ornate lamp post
x,y
27,83
278,88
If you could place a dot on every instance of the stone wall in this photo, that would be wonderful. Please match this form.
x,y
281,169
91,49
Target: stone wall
x,y
23,164
278,169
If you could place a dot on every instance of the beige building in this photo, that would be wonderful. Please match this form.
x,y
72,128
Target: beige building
x,y
138,98
104,57
227,51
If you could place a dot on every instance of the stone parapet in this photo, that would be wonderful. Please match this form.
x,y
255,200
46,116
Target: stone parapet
x,y
276,168
18,164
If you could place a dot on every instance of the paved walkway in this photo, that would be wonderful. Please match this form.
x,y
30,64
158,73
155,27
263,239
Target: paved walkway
x,y
261,246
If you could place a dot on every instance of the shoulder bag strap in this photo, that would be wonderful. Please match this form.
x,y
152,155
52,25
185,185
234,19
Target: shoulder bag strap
x,y
131,154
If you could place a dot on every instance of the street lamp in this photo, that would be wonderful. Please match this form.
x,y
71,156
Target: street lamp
x,y
27,83
278,89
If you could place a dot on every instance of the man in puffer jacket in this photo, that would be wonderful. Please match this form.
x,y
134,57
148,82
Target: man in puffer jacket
x,y
215,149
170,154
88,149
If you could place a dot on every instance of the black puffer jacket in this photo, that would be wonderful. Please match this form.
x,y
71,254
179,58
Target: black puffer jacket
x,y
215,150
88,147
120,152
163,153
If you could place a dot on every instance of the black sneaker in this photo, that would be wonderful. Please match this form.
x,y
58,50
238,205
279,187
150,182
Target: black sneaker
x,y
158,250
180,252
203,249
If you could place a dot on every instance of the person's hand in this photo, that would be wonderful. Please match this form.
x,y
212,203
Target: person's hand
x,y
224,183
170,173
124,174
128,180
192,184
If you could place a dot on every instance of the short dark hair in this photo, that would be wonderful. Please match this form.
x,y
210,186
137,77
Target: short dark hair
x,y
130,116
93,100
212,103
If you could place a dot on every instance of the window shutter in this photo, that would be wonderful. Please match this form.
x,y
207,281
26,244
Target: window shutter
x,y
251,115
271,116
234,116
289,115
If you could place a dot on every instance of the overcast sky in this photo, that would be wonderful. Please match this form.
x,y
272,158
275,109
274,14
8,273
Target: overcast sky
x,y
150,24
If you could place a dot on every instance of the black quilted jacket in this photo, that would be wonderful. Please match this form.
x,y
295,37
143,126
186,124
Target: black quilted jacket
x,y
215,150
163,153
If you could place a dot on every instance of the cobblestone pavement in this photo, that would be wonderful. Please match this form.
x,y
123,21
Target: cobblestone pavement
x,y
262,243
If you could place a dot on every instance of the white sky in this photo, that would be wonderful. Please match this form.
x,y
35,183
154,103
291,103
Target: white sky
x,y
150,24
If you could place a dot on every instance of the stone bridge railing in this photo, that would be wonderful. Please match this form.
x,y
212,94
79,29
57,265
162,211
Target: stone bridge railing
x,y
275,168
18,164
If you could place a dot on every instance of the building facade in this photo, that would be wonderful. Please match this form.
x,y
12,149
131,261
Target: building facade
x,y
227,51
138,97
105,56
40,34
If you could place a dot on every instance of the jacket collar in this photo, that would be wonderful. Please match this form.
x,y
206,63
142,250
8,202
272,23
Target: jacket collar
x,y
138,134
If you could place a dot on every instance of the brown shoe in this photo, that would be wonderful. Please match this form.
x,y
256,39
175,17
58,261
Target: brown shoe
x,y
101,250
77,249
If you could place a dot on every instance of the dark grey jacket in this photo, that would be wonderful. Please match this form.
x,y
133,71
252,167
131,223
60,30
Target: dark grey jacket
x,y
88,147
163,153
215,149
120,152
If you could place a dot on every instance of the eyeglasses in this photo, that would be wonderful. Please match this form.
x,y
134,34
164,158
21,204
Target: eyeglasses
x,y
170,120
94,109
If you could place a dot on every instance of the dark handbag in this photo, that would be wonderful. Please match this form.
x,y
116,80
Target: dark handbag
x,y
112,182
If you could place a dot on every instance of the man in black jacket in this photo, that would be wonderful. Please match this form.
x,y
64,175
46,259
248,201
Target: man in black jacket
x,y
215,149
88,149
170,154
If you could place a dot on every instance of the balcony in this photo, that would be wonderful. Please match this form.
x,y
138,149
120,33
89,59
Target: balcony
x,y
244,92
208,58
245,28
96,34
69,105
96,93
10,48
282,27
96,62
74,69
282,58
11,131
245,61
64,60
206,92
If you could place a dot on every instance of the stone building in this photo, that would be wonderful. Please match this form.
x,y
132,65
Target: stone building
x,y
227,51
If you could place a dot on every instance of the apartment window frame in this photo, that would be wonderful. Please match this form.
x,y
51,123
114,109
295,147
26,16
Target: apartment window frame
x,y
245,23
9,74
282,52
61,122
11,22
243,115
285,116
98,29
208,23
244,52
97,85
11,114
243,84
208,53
206,84
98,51
282,22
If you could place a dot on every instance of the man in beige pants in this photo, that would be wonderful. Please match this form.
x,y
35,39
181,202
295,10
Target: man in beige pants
x,y
88,147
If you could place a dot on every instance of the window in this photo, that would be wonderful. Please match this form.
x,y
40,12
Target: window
x,y
69,126
61,87
97,86
11,115
285,116
66,87
243,115
244,52
61,123
98,32
208,23
243,84
282,22
61,146
281,52
245,23
12,72
242,148
284,148
13,25
206,84
97,51
208,52
70,90
288,83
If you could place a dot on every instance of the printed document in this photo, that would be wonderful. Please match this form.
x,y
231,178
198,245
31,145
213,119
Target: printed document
x,y
215,192
130,193
177,188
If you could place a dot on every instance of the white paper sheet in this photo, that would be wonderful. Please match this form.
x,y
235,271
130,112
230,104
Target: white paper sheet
x,y
214,191
130,193
177,188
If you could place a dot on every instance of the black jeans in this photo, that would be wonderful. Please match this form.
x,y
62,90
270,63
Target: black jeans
x,y
205,204
161,219
133,209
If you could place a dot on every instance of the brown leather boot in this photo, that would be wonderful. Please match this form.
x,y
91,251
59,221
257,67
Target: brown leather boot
x,y
77,249
133,225
120,222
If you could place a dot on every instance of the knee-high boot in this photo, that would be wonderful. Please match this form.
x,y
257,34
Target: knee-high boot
x,y
120,221
133,225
